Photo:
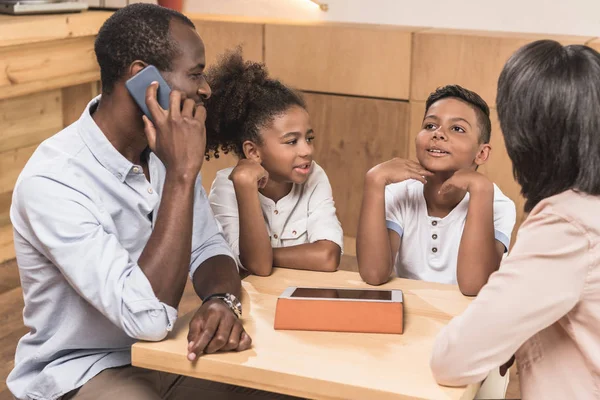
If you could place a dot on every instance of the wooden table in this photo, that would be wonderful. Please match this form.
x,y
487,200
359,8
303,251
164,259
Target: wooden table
x,y
323,365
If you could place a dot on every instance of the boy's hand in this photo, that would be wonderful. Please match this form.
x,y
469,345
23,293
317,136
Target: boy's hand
x,y
468,181
178,135
248,172
398,170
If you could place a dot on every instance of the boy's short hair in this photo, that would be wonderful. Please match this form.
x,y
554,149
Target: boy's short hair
x,y
137,32
549,110
473,99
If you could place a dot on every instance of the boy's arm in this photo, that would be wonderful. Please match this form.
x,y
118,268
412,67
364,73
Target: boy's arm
x,y
256,254
374,251
322,255
375,247
479,253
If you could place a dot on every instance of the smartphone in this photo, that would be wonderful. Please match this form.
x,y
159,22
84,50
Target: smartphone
x,y
138,84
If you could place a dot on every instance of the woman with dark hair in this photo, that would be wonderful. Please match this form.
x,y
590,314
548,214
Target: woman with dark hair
x,y
544,302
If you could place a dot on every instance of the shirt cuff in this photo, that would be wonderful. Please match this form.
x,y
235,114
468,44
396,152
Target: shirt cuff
x,y
335,236
216,250
395,227
502,238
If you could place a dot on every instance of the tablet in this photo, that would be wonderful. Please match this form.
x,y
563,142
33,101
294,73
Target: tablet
x,y
343,294
340,310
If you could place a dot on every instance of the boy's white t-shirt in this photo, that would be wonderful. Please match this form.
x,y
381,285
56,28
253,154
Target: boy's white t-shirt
x,y
429,247
305,215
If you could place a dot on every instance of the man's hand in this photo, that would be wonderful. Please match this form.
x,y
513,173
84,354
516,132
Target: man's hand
x,y
177,136
249,172
214,328
398,170
467,181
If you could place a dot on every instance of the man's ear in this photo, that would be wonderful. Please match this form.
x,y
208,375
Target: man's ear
x,y
483,154
136,67
252,151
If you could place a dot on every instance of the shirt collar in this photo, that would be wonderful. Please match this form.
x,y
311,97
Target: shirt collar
x,y
99,145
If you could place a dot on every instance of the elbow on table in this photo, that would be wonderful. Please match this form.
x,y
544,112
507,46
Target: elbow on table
x,y
445,374
469,289
151,330
259,269
372,277
331,259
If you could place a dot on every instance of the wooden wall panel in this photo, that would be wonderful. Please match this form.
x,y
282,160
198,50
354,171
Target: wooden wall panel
x,y
345,60
39,28
75,99
11,164
594,44
210,168
42,66
498,168
5,200
221,36
28,120
471,59
7,250
353,135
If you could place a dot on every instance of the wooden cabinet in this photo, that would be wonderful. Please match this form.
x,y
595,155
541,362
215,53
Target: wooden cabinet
x,y
365,61
353,135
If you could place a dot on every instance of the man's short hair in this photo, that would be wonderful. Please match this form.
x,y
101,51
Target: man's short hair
x,y
136,32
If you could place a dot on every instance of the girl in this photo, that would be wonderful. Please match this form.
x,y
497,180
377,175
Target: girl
x,y
276,206
544,302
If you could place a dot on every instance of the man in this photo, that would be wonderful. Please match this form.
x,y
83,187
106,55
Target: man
x,y
109,219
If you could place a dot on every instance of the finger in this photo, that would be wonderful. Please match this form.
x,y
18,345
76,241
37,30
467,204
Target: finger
x,y
234,337
420,169
152,103
417,176
446,187
245,342
221,337
200,113
150,132
208,331
175,103
188,108
262,182
196,325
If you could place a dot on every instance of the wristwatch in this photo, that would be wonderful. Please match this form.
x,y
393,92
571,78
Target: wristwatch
x,y
232,302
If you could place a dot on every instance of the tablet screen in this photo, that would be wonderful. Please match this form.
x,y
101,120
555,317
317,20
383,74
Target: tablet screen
x,y
324,293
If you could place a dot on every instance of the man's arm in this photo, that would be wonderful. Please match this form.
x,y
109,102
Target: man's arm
x,y
214,326
178,138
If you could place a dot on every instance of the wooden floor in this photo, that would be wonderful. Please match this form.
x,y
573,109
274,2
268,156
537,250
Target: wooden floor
x,y
11,304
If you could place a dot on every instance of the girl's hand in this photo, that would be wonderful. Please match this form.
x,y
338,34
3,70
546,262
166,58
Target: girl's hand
x,y
247,173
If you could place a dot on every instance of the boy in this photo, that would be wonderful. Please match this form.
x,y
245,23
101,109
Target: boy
x,y
437,219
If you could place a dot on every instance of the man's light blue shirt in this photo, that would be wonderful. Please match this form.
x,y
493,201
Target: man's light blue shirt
x,y
81,217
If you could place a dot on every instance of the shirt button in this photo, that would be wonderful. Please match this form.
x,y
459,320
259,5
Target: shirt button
x,y
275,236
276,212
434,249
119,176
150,190
434,236
434,223
136,170
293,232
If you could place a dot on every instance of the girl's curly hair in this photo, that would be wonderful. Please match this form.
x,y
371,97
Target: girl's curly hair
x,y
244,99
